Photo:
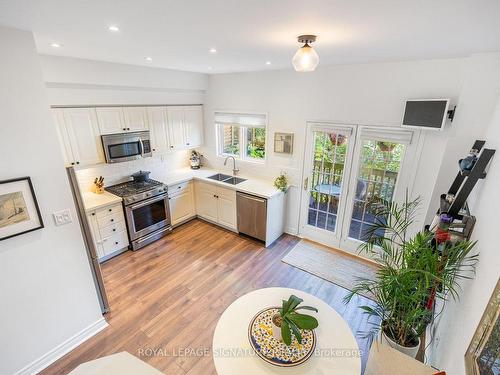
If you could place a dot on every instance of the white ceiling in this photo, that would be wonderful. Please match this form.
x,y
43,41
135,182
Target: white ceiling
x,y
177,34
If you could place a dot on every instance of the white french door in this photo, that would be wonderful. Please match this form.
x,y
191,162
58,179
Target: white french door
x,y
347,169
328,156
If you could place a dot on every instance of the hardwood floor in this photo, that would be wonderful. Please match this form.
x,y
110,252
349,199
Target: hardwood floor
x,y
169,296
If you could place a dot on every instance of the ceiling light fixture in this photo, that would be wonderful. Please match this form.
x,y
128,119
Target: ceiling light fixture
x,y
113,28
268,62
55,45
148,58
305,59
212,50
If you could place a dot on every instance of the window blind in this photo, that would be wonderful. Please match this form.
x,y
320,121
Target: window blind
x,y
243,119
387,135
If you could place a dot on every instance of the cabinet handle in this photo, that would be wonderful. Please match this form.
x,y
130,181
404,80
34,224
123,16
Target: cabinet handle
x,y
171,146
128,128
110,210
112,219
124,128
73,163
77,162
116,243
187,144
93,213
114,229
154,149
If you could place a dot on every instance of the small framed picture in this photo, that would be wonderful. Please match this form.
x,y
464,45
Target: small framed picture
x,y
283,143
19,211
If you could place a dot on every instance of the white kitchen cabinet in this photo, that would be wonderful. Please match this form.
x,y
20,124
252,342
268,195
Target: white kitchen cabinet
x,y
206,201
216,204
109,230
181,202
226,207
158,127
175,116
193,125
111,120
136,119
78,133
185,126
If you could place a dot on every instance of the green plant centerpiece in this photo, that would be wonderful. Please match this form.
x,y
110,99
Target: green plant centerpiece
x,y
281,182
288,321
413,272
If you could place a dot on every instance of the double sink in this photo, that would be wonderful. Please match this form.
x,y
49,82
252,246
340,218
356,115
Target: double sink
x,y
226,179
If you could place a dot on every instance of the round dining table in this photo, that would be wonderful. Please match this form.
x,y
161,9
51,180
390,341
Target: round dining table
x,y
336,352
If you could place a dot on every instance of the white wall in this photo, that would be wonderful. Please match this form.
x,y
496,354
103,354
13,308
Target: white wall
x,y
46,287
367,94
480,103
72,81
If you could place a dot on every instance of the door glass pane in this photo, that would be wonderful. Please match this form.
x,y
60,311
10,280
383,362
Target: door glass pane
x,y
379,168
330,149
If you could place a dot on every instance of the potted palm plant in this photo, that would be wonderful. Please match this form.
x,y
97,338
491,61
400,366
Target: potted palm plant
x,y
412,273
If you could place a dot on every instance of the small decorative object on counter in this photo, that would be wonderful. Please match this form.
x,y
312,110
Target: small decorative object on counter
x,y
98,187
281,182
468,163
195,159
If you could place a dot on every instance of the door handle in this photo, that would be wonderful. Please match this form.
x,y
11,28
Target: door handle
x,y
306,183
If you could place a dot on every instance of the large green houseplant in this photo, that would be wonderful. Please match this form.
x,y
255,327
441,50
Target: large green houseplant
x,y
412,273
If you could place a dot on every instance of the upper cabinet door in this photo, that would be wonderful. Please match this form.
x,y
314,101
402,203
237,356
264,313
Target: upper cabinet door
x,y
83,134
193,125
136,119
157,117
111,120
175,117
62,134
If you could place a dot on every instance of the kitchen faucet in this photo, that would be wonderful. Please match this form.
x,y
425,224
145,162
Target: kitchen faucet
x,y
235,170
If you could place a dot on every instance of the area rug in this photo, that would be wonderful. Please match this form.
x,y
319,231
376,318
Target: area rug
x,y
330,264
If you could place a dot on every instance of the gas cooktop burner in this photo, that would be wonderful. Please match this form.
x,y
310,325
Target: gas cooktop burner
x,y
131,188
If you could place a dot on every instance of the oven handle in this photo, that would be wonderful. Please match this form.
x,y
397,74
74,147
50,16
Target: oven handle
x,y
142,147
148,201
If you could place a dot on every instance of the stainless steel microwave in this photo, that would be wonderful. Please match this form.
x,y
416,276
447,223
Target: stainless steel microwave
x,y
126,146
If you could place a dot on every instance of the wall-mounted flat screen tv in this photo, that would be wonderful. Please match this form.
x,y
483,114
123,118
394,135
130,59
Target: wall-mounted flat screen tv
x,y
426,113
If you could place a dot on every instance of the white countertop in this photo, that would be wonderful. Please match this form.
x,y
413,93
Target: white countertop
x,y
92,201
261,188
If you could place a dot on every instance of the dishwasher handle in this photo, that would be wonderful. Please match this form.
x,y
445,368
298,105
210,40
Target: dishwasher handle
x,y
251,197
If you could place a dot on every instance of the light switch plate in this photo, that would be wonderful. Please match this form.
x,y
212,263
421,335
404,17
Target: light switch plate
x,y
62,217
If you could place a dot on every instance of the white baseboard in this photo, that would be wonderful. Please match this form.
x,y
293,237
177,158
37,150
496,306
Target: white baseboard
x,y
292,230
47,359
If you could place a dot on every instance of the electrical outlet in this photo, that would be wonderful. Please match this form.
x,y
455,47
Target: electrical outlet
x,y
62,217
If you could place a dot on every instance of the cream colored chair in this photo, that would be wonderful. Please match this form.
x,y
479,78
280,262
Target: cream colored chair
x,y
116,364
384,360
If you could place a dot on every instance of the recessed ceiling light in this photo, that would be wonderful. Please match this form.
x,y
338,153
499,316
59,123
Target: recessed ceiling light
x,y
212,50
148,58
209,68
55,45
268,62
113,28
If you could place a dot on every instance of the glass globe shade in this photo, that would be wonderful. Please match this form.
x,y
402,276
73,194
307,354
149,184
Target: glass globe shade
x,y
305,59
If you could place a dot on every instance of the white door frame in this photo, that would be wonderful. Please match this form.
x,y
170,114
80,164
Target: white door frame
x,y
308,231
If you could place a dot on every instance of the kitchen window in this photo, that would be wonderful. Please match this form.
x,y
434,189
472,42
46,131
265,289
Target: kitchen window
x,y
241,135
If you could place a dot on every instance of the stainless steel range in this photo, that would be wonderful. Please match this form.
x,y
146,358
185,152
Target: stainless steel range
x,y
146,210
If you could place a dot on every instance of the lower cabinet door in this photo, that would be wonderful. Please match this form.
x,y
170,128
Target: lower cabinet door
x,y
206,200
181,206
226,201
114,243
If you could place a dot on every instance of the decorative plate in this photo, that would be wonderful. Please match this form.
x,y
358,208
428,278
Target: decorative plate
x,y
274,351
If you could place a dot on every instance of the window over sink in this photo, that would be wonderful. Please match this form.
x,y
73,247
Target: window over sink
x,y
241,135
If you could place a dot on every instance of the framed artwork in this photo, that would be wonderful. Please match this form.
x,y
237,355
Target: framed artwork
x,y
483,354
19,211
283,143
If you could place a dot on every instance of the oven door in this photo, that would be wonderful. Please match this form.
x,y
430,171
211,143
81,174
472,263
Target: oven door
x,y
147,216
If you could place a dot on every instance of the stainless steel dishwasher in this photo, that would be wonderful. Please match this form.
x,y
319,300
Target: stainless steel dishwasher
x,y
252,215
